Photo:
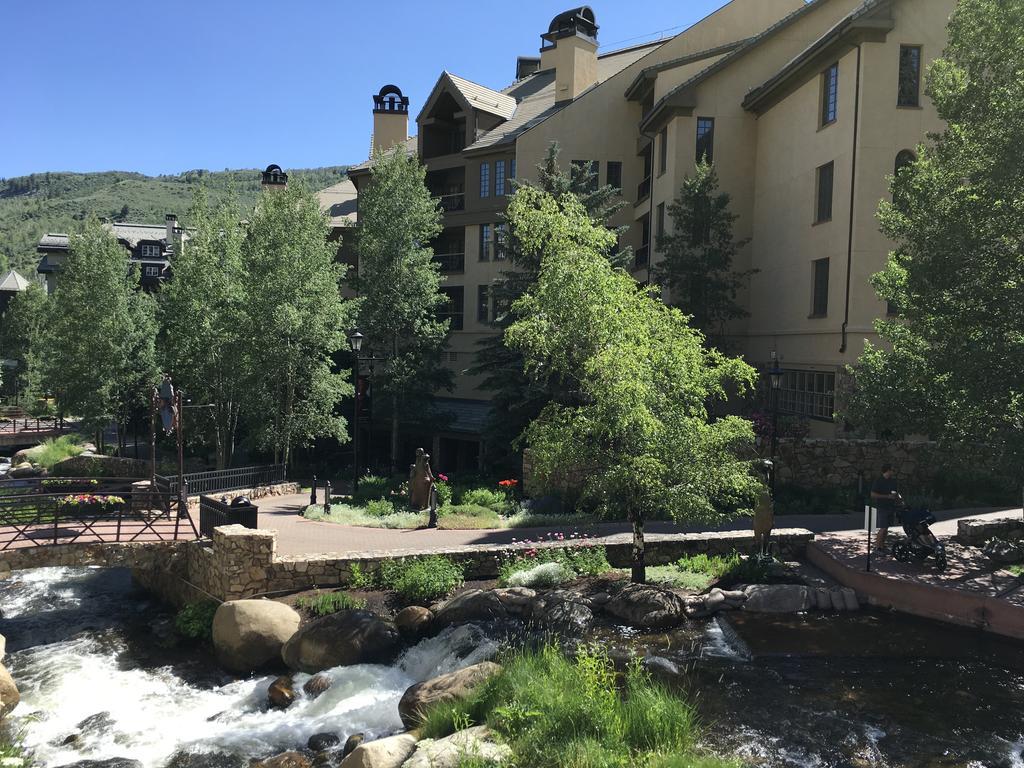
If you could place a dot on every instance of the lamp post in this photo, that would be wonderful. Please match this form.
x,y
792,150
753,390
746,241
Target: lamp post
x,y
775,378
355,343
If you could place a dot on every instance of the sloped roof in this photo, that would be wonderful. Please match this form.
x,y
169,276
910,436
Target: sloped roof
x,y
12,282
410,147
483,98
132,234
339,202
54,240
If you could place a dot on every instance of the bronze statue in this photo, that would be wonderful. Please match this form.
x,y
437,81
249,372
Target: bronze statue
x,y
421,483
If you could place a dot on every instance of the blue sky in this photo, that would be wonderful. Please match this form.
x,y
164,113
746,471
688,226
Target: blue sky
x,y
164,87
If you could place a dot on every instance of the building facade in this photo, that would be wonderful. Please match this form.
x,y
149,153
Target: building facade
x,y
805,109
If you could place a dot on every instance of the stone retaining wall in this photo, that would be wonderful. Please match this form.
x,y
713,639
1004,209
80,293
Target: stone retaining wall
x,y
975,532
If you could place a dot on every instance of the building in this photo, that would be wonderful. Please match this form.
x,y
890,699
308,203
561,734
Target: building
x,y
11,285
805,108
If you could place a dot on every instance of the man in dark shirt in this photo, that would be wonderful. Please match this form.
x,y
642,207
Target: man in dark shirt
x,y
884,496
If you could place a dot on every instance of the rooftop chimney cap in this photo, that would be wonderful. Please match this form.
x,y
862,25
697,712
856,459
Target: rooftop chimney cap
x,y
577,21
390,99
274,175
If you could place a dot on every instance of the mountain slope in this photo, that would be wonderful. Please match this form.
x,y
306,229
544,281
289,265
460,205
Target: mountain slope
x,y
57,202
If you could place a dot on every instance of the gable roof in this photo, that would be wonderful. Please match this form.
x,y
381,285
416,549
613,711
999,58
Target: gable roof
x,y
483,98
12,282
339,202
131,234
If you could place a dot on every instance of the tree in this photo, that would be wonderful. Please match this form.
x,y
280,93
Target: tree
x,y
399,282
517,399
203,311
293,323
953,367
698,254
23,325
97,346
641,430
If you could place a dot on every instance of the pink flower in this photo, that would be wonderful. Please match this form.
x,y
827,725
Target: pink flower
x,y
442,478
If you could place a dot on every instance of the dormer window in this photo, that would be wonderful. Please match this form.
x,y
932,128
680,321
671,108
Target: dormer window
x,y
149,251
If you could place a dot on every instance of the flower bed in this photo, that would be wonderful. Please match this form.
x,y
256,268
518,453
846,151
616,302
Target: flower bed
x,y
90,504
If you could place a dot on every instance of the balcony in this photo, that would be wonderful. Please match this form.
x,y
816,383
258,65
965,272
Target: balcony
x,y
643,189
452,202
451,262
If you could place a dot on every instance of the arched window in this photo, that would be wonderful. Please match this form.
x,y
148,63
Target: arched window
x,y
903,159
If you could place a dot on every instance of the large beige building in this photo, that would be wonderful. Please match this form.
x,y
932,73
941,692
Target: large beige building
x,y
805,109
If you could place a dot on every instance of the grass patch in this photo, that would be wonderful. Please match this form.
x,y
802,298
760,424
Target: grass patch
x,y
421,579
540,520
326,603
671,576
553,711
346,514
467,517
53,450
1017,569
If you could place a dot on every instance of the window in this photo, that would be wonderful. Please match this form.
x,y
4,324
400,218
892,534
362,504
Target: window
x,y
149,251
829,94
660,230
499,178
643,253
706,139
615,174
643,189
485,179
588,171
483,303
485,242
903,159
823,210
512,168
499,242
452,308
808,393
151,270
819,297
663,146
910,76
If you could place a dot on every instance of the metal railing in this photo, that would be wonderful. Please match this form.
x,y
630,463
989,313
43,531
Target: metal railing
x,y
216,481
213,513
31,424
451,262
453,202
643,189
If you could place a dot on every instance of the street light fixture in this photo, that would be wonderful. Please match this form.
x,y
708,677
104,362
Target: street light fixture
x,y
775,378
355,343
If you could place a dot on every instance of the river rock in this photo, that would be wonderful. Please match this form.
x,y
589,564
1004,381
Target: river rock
x,y
448,687
562,615
414,621
316,685
113,762
207,760
249,634
351,743
281,692
647,606
391,752
341,639
285,760
97,723
24,470
660,666
778,598
477,742
319,742
472,605
9,696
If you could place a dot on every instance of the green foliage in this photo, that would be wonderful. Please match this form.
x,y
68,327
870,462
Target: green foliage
x,y
372,488
421,579
715,566
31,206
55,449
195,620
554,711
576,559
358,578
326,603
380,508
483,497
640,429
699,252
799,500
97,347
467,517
444,493
399,284
21,329
953,363
295,323
541,576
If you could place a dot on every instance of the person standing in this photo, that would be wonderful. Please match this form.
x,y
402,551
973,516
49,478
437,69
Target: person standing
x,y
884,497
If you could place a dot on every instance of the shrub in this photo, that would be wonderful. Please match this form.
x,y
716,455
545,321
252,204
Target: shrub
x,y
715,566
358,578
195,620
421,579
53,450
443,489
372,488
483,497
543,576
576,557
554,711
380,508
326,603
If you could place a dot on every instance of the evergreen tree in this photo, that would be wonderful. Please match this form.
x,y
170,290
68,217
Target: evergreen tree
x,y
953,364
399,285
699,253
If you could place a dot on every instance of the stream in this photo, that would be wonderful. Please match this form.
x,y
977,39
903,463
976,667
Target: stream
x,y
103,675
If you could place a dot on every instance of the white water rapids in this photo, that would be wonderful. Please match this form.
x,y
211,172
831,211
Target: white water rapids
x,y
155,713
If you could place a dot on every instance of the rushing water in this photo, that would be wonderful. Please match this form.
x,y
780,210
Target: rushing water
x,y
97,658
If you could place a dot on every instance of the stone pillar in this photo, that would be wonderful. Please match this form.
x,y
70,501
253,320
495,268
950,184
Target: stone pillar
x,y
241,560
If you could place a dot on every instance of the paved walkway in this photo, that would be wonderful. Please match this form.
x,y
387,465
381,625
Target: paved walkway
x,y
297,535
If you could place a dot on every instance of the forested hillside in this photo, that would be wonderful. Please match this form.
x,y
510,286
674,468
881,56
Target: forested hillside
x,y
56,202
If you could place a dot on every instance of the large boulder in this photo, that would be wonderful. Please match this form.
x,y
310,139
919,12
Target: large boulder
x,y
414,621
113,762
562,614
779,598
472,605
249,634
285,760
478,743
9,696
341,639
647,606
448,687
391,752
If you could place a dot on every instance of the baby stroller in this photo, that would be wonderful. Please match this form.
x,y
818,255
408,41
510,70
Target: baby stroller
x,y
920,543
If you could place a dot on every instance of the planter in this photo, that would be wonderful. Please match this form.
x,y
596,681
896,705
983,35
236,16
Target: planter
x,y
91,510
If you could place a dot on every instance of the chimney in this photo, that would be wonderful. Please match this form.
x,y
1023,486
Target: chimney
x,y
570,48
390,118
171,221
274,178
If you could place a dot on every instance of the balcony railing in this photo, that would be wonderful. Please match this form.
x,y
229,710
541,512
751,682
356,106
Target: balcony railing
x,y
643,189
454,202
451,262
642,255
